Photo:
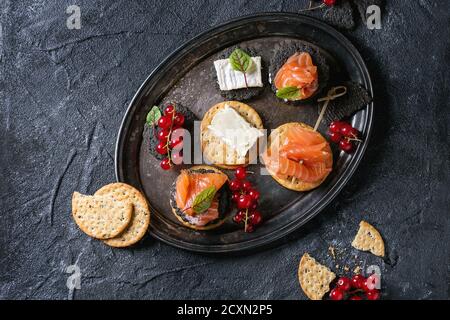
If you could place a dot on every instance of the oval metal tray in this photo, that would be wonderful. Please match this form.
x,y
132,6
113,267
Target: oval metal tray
x,y
184,76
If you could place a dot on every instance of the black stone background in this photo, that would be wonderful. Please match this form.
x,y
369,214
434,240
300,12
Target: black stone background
x,y
63,95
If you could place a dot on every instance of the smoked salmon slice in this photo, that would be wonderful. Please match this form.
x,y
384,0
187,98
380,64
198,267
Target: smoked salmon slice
x,y
303,154
310,154
298,71
285,167
189,185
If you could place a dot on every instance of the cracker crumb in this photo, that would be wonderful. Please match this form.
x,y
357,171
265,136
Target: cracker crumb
x,y
346,268
332,251
357,270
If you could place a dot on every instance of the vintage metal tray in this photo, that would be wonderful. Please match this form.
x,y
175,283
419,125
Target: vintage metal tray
x,y
185,77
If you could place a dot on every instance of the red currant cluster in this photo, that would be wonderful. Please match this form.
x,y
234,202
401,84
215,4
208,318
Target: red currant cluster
x,y
246,199
344,134
170,121
354,288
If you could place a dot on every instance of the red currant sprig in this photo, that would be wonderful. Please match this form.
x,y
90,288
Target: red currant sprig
x,y
344,134
355,288
325,3
170,121
246,199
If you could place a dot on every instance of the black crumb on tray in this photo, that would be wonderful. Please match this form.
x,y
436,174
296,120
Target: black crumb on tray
x,y
150,133
340,15
356,98
244,93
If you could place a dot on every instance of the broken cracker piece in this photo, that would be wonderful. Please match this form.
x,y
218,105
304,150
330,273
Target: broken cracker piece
x,y
369,239
314,278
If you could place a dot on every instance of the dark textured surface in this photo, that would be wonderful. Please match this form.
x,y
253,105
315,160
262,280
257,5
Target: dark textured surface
x,y
63,94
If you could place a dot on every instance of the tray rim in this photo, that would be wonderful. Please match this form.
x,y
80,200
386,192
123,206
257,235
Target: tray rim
x,y
326,199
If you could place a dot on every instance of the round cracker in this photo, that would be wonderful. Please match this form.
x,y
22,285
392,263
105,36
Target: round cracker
x,y
290,182
141,215
213,148
101,217
187,224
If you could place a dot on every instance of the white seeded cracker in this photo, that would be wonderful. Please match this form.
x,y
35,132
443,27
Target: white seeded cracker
x,y
314,278
369,239
101,217
141,214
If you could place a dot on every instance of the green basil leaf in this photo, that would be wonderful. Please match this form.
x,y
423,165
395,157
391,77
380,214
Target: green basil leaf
x,y
204,199
153,116
240,60
289,93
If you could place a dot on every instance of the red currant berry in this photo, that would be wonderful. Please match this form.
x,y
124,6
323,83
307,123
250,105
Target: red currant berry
x,y
178,120
235,185
373,294
240,173
346,129
355,298
249,228
246,185
169,110
254,205
336,294
254,194
164,122
344,284
235,196
357,281
335,137
165,164
244,202
161,148
353,133
371,283
346,145
177,158
329,3
163,135
335,126
176,142
255,218
239,216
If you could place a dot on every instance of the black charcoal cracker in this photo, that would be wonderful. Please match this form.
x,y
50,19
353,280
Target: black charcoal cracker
x,y
243,94
355,99
224,194
340,15
285,51
150,133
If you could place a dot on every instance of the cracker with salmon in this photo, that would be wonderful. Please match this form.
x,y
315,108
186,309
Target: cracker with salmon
x,y
215,150
298,157
189,184
300,66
